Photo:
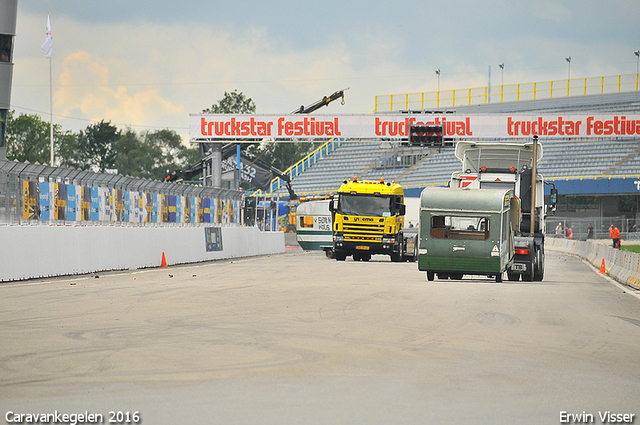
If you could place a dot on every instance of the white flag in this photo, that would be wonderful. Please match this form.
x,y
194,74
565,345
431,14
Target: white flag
x,y
48,42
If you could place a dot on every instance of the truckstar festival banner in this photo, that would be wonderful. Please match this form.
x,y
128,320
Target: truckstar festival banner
x,y
232,127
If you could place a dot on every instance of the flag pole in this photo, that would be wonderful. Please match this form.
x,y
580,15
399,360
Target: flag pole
x,y
51,109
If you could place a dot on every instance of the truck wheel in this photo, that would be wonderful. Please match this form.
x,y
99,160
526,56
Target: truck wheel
x,y
538,270
456,276
528,277
396,257
538,275
499,277
430,276
328,253
366,257
357,257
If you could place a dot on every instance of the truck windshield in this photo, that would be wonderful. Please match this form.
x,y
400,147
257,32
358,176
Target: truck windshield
x,y
369,205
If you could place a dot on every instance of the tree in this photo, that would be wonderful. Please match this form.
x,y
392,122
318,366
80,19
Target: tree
x,y
134,158
151,155
170,152
232,103
96,146
29,138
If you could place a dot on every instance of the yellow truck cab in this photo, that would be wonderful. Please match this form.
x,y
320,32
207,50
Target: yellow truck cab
x,y
368,218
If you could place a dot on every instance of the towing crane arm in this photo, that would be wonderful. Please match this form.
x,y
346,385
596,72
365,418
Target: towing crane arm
x,y
319,104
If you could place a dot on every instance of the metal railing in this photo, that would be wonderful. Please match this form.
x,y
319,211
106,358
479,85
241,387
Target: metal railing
x,y
507,93
302,165
33,194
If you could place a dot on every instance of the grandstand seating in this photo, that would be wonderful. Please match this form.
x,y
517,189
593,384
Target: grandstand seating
x,y
562,158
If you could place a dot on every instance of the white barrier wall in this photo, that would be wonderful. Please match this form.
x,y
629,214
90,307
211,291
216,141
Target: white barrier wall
x,y
43,251
623,265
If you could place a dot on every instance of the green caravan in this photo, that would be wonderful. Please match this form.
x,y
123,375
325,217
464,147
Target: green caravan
x,y
467,232
313,226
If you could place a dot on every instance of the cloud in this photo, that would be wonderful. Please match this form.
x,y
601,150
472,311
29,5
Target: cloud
x,y
84,85
153,70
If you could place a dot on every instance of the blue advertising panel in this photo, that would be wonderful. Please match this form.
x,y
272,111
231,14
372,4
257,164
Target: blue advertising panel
x,y
95,204
156,211
207,210
45,201
172,208
71,203
127,206
595,186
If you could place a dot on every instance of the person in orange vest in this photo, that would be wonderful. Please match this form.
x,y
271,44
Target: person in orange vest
x,y
615,235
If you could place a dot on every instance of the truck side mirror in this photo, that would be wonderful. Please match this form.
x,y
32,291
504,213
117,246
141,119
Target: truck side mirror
x,y
553,199
554,196
403,209
331,206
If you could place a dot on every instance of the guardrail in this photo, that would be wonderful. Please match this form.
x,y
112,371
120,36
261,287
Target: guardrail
x,y
34,194
624,266
507,93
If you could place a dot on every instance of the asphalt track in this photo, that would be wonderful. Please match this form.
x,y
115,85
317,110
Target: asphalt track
x,y
300,339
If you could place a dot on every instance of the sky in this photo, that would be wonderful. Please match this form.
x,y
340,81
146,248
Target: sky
x,y
147,65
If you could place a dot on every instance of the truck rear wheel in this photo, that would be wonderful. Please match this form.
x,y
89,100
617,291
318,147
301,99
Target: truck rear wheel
x,y
538,275
430,276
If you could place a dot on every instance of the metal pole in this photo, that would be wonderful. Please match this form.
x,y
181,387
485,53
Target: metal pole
x,y
51,110
216,165
534,182
488,88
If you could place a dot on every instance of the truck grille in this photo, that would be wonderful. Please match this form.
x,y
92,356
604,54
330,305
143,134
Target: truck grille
x,y
357,232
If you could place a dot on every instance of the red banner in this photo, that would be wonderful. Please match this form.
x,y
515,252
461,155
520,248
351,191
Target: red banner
x,y
460,127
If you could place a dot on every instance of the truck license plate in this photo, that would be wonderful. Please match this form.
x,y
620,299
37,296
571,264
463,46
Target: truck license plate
x,y
366,248
519,267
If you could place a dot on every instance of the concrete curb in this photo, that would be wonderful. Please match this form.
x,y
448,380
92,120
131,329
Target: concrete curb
x,y
624,266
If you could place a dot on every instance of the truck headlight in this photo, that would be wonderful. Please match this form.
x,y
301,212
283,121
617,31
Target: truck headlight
x,y
388,240
338,238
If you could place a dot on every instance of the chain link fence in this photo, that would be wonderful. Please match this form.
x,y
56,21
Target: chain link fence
x,y
33,194
629,229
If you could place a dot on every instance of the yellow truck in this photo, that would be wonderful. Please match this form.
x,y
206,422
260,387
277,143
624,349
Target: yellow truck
x,y
368,219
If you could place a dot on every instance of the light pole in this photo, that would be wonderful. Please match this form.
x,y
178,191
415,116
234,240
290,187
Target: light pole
x,y
501,65
438,74
637,53
568,59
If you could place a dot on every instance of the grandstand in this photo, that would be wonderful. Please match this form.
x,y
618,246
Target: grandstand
x,y
580,162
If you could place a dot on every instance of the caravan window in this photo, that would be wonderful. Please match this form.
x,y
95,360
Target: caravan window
x,y
306,221
456,227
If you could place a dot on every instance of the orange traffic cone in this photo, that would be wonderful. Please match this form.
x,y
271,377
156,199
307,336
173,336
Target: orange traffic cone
x,y
164,261
602,269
